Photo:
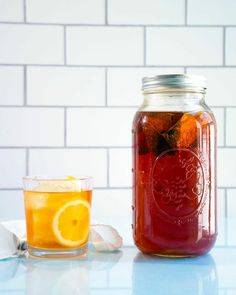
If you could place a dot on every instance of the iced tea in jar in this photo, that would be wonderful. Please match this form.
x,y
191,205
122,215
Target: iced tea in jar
x,y
174,168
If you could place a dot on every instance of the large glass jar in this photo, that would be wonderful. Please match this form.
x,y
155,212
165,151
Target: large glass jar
x,y
174,168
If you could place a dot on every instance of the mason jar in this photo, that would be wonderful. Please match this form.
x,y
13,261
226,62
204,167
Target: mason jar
x,y
174,168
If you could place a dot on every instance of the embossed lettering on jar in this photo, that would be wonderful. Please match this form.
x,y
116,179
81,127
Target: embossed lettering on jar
x,y
174,177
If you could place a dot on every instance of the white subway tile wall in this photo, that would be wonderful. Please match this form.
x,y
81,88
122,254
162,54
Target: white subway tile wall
x,y
230,127
11,10
221,238
230,46
120,171
146,12
190,46
112,203
31,126
104,45
66,11
12,204
11,85
13,166
226,167
219,116
211,12
231,194
64,86
70,79
221,88
31,44
99,126
70,162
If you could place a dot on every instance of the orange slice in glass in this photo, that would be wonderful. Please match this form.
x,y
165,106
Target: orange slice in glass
x,y
71,223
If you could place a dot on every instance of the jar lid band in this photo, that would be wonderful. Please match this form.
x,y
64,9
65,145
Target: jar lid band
x,y
169,81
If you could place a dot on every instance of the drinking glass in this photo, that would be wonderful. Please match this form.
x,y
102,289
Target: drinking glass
x,y
57,211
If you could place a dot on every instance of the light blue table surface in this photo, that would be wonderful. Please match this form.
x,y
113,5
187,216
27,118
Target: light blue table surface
x,y
127,272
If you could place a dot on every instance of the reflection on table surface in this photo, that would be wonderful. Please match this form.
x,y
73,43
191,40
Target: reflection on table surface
x,y
123,272
184,276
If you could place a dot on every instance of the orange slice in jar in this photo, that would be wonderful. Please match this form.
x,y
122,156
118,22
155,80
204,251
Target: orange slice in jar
x,y
184,133
71,223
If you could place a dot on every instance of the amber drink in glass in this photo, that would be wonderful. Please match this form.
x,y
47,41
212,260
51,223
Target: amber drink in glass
x,y
57,214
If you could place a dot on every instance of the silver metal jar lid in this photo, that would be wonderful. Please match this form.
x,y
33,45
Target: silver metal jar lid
x,y
169,81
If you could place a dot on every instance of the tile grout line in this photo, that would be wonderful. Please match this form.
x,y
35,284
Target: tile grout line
x,y
186,13
92,106
106,86
62,147
108,168
65,127
225,120
144,46
106,12
86,147
125,66
115,25
226,187
64,46
71,107
24,9
224,44
25,85
226,202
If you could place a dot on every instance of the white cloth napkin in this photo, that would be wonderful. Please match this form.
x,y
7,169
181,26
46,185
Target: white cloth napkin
x,y
13,238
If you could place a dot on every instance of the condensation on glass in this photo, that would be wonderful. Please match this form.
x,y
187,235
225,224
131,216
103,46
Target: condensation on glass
x,y
174,168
